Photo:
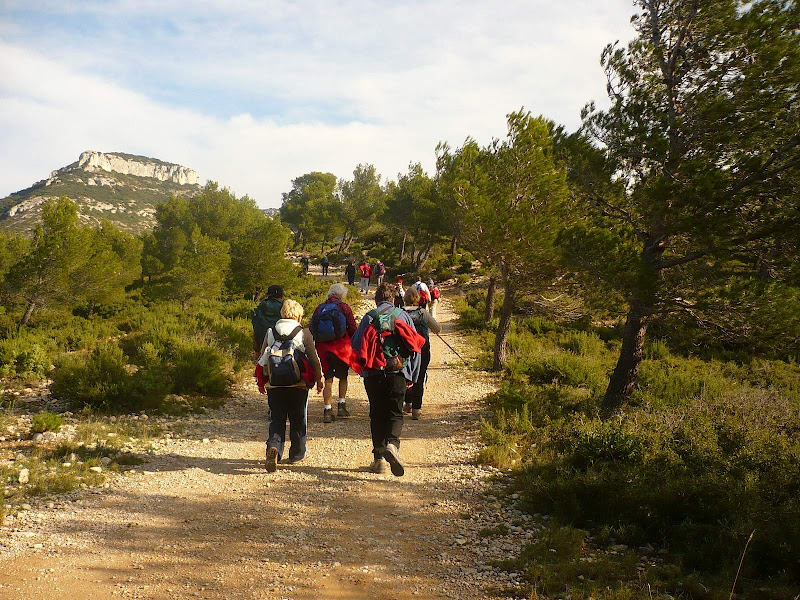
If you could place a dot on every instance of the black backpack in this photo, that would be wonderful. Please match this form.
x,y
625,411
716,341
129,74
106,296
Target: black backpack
x,y
265,316
419,322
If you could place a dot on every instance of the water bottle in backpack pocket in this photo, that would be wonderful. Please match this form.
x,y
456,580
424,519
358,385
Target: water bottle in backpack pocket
x,y
329,323
284,361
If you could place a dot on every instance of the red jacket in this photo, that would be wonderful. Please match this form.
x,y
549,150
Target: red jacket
x,y
370,354
366,270
340,347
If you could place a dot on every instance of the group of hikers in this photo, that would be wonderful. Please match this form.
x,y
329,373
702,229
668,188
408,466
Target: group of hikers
x,y
390,349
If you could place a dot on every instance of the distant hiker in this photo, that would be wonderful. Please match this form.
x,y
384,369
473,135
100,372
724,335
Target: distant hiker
x,y
332,326
325,264
399,293
350,272
424,323
380,271
287,369
387,349
304,262
424,293
265,315
366,272
436,294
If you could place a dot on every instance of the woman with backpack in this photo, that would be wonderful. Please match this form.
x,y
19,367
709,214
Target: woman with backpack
x,y
291,366
366,273
332,326
424,323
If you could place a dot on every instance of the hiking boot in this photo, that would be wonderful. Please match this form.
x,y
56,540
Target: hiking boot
x,y
392,455
328,416
406,408
378,466
415,413
341,410
272,459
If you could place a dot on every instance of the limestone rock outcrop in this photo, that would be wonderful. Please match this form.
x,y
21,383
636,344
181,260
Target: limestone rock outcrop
x,y
141,166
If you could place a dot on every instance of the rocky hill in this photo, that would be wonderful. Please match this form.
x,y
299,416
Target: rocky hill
x,y
123,188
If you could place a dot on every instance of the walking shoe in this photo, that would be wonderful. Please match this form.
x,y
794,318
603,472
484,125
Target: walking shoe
x,y
415,414
406,408
328,416
378,466
392,455
341,410
272,459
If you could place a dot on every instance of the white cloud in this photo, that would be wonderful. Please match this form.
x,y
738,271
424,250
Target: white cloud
x,y
312,86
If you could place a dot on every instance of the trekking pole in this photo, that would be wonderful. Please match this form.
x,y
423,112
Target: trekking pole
x,y
453,350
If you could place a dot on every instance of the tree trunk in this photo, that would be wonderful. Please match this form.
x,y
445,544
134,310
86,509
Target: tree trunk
x,y
413,250
27,316
403,248
489,314
453,246
623,379
297,235
501,337
303,247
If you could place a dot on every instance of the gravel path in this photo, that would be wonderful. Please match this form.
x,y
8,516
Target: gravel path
x,y
202,518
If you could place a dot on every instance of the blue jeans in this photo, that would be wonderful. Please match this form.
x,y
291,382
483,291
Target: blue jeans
x,y
291,403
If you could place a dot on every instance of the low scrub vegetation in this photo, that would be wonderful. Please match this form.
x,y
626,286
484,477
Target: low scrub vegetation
x,y
707,452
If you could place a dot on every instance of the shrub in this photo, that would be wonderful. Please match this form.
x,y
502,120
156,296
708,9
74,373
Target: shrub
x,y
46,421
99,379
200,368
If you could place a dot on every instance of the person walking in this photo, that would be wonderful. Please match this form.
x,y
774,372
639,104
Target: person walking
x,y
304,263
380,271
399,293
424,293
265,316
287,390
435,297
332,326
325,264
366,273
387,349
424,323
350,272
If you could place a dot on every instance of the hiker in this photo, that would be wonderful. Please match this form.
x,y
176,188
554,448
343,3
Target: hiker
x,y
387,350
366,272
304,262
287,369
350,272
436,294
332,326
265,315
325,264
399,293
380,271
424,323
424,293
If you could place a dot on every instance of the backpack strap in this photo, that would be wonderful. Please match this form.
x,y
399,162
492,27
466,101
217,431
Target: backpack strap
x,y
285,338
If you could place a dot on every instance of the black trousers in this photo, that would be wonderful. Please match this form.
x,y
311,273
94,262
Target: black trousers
x,y
324,269
414,395
291,403
386,392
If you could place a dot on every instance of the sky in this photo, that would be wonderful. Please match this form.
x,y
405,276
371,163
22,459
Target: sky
x,y
253,94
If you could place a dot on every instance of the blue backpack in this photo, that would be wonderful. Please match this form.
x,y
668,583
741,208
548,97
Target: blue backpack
x,y
329,323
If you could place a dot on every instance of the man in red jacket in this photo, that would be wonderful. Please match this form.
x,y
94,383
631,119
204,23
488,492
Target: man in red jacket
x,y
335,352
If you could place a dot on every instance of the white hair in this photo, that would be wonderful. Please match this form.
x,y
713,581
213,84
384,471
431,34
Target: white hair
x,y
339,290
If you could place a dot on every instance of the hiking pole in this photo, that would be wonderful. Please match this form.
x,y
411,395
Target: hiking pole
x,y
453,350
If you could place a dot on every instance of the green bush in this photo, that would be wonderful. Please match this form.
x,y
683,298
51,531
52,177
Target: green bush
x,y
21,357
99,379
201,369
46,421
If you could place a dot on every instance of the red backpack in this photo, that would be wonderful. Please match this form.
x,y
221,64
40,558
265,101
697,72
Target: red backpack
x,y
436,293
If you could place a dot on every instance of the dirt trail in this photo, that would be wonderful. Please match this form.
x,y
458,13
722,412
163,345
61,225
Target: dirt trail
x,y
205,520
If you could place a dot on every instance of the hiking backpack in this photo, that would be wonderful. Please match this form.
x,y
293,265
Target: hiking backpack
x,y
436,293
381,269
265,316
284,360
424,299
329,323
394,348
419,322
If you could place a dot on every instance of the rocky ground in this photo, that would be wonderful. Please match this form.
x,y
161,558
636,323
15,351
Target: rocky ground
x,y
201,518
